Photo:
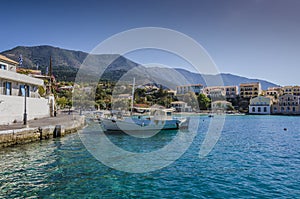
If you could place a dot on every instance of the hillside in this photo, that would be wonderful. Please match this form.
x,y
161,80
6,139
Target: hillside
x,y
66,64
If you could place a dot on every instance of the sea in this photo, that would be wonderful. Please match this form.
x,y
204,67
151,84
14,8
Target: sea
x,y
251,157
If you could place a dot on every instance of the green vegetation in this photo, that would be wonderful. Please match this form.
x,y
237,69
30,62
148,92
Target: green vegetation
x,y
108,95
204,102
41,91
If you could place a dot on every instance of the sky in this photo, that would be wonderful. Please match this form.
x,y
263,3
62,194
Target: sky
x,y
251,38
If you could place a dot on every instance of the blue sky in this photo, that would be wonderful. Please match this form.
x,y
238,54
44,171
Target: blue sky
x,y
255,38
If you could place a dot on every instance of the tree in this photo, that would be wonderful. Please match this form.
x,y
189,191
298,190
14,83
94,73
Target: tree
x,y
61,102
191,99
41,91
204,102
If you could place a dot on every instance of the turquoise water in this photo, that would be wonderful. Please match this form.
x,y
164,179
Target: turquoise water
x,y
254,158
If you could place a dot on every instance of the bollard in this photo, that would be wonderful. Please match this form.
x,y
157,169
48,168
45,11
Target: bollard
x,y
57,131
41,133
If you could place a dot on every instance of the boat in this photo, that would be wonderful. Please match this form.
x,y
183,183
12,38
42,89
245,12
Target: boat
x,y
158,119
154,118
94,116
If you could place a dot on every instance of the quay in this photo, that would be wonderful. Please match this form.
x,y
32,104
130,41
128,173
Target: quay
x,y
40,129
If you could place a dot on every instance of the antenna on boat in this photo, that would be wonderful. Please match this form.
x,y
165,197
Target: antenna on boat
x,y
132,96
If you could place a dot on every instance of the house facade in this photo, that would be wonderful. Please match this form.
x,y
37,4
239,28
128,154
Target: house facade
x,y
220,105
13,88
274,91
195,88
250,90
260,105
287,104
181,106
221,91
293,90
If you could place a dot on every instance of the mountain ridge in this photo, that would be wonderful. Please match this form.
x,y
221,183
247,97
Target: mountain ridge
x,y
66,64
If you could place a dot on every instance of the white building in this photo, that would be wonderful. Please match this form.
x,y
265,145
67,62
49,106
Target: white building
x,y
220,105
195,88
260,105
181,106
12,95
221,91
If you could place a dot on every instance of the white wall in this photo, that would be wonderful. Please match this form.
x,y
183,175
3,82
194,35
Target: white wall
x,y
261,108
12,108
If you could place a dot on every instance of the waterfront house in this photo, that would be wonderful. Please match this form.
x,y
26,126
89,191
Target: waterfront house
x,y
287,104
260,105
195,88
181,106
220,105
13,88
229,92
293,90
250,90
274,91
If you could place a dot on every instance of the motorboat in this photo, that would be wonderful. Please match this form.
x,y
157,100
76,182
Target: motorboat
x,y
158,119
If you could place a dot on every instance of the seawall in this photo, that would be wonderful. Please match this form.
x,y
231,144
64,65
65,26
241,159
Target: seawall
x,y
46,130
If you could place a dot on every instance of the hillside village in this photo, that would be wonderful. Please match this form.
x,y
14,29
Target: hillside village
x,y
46,95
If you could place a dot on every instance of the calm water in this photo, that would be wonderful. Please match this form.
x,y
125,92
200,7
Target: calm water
x,y
254,158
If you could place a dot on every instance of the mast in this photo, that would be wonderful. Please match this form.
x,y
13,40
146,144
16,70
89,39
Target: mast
x,y
132,96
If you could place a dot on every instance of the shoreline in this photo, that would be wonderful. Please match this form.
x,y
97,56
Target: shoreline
x,y
41,129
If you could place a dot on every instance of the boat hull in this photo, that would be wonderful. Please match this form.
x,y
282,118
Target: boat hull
x,y
139,125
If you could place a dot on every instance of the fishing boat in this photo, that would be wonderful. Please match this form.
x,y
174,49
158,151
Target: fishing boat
x,y
158,119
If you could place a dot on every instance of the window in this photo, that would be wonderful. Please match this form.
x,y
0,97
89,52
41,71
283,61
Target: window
x,y
294,109
22,90
265,109
7,88
288,109
282,108
259,109
253,109
275,109
3,67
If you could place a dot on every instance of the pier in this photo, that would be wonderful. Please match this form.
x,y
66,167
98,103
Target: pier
x,y
40,129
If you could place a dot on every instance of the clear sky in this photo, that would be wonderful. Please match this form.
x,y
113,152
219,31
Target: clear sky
x,y
252,38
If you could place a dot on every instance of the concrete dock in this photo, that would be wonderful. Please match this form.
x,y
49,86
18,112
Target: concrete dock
x,y
40,129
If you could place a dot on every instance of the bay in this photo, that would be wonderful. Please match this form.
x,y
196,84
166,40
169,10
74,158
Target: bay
x,y
253,158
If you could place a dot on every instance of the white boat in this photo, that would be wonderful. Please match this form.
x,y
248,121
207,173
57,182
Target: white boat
x,y
159,119
95,115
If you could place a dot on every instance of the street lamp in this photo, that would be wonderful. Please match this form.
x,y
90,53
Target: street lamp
x,y
25,111
80,113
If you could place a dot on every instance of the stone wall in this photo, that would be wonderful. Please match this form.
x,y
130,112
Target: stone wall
x,y
27,135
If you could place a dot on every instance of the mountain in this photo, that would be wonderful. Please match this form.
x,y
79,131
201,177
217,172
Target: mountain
x,y
41,54
66,64
228,79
